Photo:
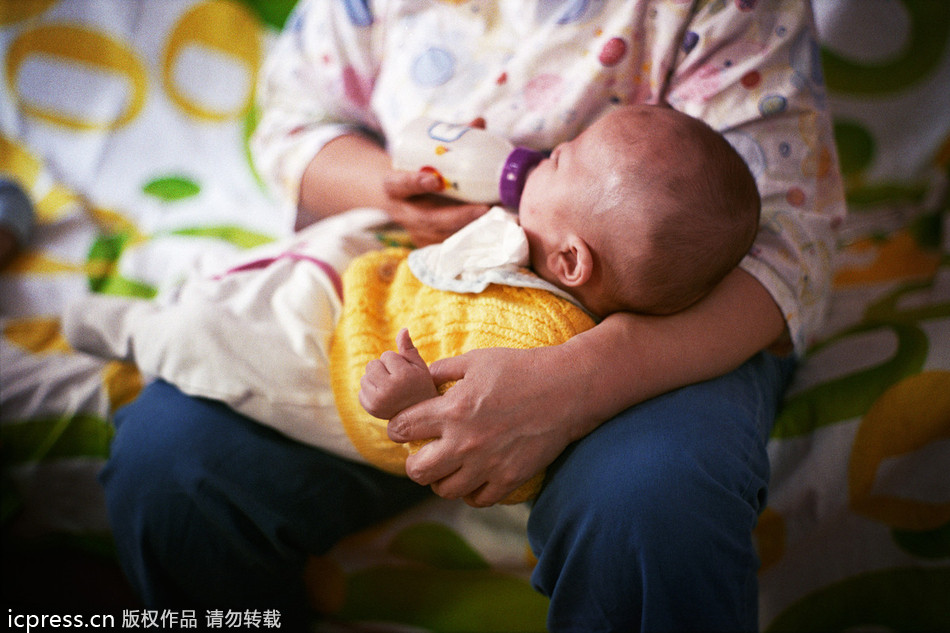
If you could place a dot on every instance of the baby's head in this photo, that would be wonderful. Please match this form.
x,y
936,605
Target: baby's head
x,y
646,211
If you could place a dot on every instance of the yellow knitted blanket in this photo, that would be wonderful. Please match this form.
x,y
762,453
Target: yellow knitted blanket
x,y
381,296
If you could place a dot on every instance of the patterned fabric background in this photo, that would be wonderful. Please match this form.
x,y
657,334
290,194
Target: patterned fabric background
x,y
127,124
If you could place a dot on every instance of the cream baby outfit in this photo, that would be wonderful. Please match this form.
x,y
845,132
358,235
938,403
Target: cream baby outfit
x,y
283,338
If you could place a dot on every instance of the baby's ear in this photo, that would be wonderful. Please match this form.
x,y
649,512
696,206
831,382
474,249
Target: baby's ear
x,y
573,262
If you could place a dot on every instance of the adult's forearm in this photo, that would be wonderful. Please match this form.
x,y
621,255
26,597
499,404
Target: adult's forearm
x,y
347,173
629,358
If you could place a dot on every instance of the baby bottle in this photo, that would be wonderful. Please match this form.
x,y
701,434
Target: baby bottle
x,y
472,164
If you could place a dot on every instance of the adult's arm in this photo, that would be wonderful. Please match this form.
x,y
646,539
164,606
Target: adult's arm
x,y
752,73
512,412
316,143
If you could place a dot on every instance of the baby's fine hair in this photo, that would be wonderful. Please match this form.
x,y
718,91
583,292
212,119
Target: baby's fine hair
x,y
703,208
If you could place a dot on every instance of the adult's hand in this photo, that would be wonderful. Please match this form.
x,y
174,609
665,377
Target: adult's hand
x,y
491,433
354,171
415,204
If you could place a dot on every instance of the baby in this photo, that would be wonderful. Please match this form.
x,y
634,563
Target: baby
x,y
645,211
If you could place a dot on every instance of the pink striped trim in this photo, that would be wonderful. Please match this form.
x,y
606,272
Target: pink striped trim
x,y
267,261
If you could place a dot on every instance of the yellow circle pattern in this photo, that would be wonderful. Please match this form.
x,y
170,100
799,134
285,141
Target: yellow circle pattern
x,y
80,50
223,27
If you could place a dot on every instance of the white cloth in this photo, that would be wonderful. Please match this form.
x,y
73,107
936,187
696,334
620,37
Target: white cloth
x,y
491,250
255,335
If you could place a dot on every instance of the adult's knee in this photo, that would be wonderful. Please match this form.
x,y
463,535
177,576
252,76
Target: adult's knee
x,y
647,522
658,464
157,441
618,499
186,510
145,492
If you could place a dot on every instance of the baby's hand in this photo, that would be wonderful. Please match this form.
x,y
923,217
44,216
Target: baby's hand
x,y
396,381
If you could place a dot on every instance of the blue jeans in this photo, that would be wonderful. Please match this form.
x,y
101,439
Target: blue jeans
x,y
644,524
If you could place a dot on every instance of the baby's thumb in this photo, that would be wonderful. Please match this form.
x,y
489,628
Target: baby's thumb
x,y
408,350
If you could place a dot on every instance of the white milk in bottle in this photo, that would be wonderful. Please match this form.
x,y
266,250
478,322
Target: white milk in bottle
x,y
472,164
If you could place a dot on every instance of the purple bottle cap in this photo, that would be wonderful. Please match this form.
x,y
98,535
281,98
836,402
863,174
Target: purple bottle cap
x,y
518,165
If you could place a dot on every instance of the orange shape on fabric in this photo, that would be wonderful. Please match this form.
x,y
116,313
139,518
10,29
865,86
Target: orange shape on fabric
x,y
770,538
37,335
899,257
909,416
123,382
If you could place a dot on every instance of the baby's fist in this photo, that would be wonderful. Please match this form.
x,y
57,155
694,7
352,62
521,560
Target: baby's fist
x,y
396,381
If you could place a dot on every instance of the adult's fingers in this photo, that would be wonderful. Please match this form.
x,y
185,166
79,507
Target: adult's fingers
x,y
407,184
